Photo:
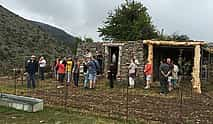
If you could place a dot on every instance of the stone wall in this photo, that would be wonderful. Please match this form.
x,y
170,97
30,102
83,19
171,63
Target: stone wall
x,y
128,50
93,47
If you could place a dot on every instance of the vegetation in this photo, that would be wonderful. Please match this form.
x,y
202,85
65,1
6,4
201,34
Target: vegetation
x,y
174,37
57,34
52,115
130,21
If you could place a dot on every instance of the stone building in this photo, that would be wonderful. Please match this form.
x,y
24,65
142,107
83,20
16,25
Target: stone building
x,y
190,55
123,52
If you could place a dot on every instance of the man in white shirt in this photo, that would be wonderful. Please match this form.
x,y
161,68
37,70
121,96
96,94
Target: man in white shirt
x,y
42,65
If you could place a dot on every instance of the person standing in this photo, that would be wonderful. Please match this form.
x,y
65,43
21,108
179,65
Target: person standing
x,y
148,74
91,72
132,73
42,65
175,75
69,67
76,71
31,68
61,71
164,73
97,69
55,67
85,69
169,62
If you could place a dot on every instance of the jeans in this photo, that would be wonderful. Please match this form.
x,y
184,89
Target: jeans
x,y
86,75
76,78
30,78
69,77
41,72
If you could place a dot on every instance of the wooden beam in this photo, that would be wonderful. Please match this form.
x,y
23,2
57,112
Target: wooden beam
x,y
175,43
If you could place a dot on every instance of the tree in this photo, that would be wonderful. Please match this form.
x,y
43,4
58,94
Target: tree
x,y
174,37
130,21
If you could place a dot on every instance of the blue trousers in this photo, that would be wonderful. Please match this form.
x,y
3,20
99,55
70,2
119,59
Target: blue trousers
x,y
31,80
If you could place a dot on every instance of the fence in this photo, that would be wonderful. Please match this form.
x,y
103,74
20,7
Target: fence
x,y
179,106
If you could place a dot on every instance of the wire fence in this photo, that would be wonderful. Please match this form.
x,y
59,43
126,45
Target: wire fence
x,y
179,106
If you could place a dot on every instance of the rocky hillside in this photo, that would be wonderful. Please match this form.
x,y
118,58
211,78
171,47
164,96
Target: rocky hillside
x,y
57,33
20,38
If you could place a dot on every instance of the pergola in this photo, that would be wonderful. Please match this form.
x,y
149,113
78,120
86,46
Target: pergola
x,y
196,83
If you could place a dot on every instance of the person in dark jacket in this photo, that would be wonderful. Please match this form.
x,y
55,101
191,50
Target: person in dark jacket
x,y
31,68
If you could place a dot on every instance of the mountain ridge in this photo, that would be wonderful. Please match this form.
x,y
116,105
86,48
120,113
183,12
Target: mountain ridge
x,y
20,38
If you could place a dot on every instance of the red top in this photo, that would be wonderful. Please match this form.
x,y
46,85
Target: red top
x,y
61,68
148,69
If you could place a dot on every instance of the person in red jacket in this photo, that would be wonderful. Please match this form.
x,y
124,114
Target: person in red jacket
x,y
61,71
148,74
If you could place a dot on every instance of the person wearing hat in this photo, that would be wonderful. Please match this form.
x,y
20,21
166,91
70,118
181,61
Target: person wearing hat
x,y
31,69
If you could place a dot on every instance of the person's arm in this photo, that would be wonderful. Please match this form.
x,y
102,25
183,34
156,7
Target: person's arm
x,y
130,66
163,74
168,73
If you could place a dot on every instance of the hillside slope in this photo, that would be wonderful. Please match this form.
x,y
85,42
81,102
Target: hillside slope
x,y
20,38
58,34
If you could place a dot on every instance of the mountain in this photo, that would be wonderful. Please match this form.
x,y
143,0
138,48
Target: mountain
x,y
57,33
20,38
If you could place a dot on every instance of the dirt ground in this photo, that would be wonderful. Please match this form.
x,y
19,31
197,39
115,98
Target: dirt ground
x,y
179,106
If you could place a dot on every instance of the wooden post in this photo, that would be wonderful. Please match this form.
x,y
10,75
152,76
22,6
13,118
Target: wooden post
x,y
196,83
150,53
150,56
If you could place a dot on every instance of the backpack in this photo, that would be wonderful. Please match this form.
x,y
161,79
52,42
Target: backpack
x,y
97,66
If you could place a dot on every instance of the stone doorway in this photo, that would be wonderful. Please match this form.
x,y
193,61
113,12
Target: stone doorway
x,y
114,56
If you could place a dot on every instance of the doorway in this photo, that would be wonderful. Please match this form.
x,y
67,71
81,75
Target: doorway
x,y
114,56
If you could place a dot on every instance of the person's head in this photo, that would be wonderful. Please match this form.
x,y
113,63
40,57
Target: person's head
x,y
133,60
147,61
94,57
41,58
87,50
168,61
33,57
61,61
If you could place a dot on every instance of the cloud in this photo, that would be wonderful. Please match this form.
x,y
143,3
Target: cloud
x,y
83,17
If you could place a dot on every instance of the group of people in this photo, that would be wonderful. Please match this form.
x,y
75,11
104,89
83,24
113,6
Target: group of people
x,y
168,75
68,69
32,66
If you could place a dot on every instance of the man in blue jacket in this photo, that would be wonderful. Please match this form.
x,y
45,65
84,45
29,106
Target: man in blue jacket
x,y
31,68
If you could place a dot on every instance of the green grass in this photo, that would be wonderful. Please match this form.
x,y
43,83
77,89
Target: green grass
x,y
52,115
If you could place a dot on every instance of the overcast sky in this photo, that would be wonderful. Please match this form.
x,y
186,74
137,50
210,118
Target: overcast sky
x,y
83,17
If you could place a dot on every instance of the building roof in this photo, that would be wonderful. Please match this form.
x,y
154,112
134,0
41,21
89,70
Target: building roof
x,y
175,43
